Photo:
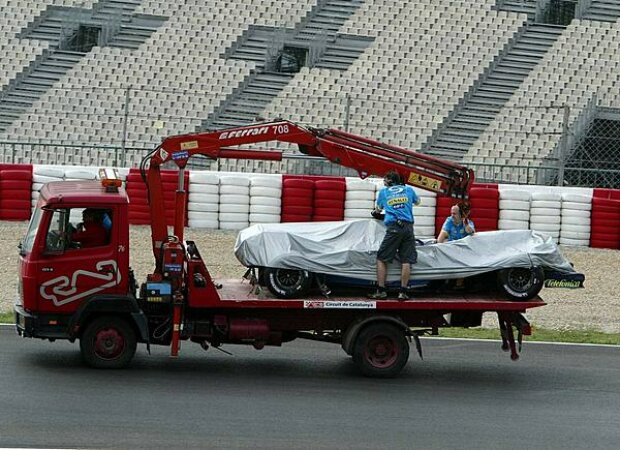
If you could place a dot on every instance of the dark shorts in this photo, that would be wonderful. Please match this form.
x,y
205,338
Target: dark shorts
x,y
399,239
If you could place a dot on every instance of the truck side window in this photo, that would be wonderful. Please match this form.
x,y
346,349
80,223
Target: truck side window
x,y
56,238
94,228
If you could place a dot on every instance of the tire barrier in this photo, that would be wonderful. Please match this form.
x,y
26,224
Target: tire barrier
x,y
234,213
329,198
575,206
297,198
15,191
424,214
484,202
359,199
514,209
138,197
573,216
546,220
265,199
203,204
442,211
604,230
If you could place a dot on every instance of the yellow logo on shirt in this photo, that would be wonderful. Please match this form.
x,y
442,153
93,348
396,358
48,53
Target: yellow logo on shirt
x,y
397,201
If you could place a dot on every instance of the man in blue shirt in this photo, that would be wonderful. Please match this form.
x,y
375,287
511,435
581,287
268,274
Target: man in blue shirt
x,y
396,200
457,226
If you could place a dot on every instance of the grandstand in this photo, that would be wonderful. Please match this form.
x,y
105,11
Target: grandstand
x,y
518,89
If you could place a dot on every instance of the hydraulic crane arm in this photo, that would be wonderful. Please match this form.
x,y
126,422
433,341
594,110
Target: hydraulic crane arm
x,y
366,156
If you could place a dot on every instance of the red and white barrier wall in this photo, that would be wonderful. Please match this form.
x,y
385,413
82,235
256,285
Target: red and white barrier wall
x,y
571,216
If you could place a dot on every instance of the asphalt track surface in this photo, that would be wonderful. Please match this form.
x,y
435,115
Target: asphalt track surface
x,y
308,395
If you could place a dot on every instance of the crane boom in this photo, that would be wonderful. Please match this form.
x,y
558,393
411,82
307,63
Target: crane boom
x,y
364,155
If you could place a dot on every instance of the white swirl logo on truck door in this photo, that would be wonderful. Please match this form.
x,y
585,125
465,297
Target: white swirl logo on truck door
x,y
61,290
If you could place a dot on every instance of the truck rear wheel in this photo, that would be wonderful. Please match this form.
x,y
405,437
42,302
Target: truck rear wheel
x,y
108,343
381,350
288,283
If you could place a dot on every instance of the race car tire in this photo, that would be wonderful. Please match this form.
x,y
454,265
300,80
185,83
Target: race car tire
x,y
521,284
288,283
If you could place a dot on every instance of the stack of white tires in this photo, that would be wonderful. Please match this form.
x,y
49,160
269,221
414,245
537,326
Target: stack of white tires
x,y
42,175
359,199
203,200
514,209
234,202
545,209
424,214
576,218
265,199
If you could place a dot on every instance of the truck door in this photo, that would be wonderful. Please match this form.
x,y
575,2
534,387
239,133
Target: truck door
x,y
79,259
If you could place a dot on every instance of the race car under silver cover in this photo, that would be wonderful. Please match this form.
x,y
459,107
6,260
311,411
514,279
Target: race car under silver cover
x,y
349,249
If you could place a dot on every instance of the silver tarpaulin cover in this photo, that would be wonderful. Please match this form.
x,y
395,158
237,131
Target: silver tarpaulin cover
x,y
350,249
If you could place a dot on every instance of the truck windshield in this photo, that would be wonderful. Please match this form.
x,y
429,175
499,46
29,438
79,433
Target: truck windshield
x,y
33,227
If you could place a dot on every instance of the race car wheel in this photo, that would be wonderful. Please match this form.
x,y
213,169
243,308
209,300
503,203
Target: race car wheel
x,y
381,350
108,343
521,284
288,283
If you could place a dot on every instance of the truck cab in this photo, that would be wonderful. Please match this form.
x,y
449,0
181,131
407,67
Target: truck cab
x,y
63,262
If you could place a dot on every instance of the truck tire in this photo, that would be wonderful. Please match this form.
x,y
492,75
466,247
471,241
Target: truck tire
x,y
288,283
381,350
519,283
108,343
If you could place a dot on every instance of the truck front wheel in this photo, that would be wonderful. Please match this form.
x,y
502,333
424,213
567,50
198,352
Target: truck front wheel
x,y
381,350
108,343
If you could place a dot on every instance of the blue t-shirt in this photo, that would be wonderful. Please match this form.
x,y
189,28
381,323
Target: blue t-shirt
x,y
397,202
456,232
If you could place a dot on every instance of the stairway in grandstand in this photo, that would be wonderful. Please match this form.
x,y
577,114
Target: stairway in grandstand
x,y
529,7
488,95
315,35
71,33
603,10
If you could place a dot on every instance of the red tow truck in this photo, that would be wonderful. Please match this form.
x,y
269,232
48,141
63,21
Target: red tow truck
x,y
90,294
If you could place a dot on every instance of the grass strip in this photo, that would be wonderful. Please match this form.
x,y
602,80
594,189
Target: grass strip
x,y
538,334
7,317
